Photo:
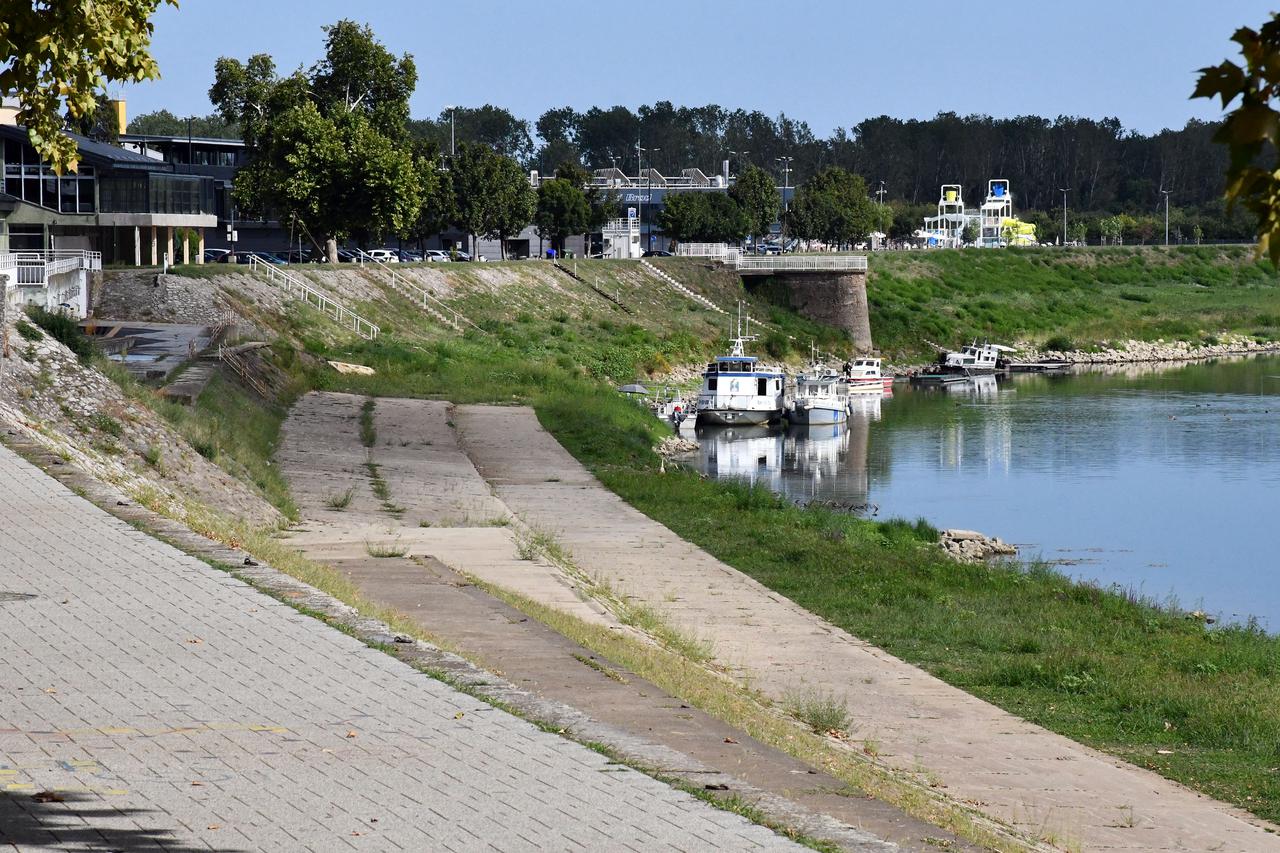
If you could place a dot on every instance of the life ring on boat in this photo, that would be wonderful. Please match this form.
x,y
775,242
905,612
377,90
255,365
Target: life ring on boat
x,y
733,387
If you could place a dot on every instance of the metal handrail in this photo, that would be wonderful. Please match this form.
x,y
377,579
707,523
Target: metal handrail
x,y
328,305
428,302
795,263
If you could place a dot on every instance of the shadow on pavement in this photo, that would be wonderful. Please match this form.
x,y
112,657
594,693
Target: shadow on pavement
x,y
72,821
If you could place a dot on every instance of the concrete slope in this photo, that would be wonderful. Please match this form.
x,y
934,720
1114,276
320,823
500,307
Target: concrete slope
x,y
1040,782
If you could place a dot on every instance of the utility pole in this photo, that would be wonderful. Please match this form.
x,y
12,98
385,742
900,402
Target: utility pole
x,y
733,154
880,194
1165,193
452,147
1064,191
644,246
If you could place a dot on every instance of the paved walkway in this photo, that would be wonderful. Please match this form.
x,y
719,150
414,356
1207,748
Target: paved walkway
x,y
432,479
1027,776
151,702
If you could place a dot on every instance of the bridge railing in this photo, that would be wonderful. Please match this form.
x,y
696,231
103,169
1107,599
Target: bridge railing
x,y
801,263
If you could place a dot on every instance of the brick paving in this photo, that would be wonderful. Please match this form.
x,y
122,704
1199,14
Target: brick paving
x,y
151,702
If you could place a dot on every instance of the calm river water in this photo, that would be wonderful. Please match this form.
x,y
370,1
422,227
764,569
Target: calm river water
x,y
1162,479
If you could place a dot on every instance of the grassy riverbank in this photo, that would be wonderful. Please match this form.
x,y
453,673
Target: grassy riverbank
x,y
1085,296
1197,704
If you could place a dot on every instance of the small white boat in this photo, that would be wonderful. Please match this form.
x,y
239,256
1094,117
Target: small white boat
x,y
822,397
865,378
737,391
972,360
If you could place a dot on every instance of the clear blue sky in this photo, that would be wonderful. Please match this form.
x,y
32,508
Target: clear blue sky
x,y
828,62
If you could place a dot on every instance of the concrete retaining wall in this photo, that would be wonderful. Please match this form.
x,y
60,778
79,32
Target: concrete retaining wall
x,y
836,298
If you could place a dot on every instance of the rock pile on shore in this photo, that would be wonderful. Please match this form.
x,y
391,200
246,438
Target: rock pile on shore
x,y
970,546
1121,352
674,445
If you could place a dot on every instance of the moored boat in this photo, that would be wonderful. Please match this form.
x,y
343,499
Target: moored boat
x,y
822,397
864,377
955,366
736,390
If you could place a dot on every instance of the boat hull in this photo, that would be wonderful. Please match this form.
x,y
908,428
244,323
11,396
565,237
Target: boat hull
x,y
737,417
817,415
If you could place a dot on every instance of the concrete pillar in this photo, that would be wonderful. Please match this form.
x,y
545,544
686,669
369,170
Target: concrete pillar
x,y
200,247
836,298
186,248
137,246
155,249
168,244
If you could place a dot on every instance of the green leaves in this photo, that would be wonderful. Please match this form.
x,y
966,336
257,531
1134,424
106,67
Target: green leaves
x,y
63,52
759,198
833,206
1253,123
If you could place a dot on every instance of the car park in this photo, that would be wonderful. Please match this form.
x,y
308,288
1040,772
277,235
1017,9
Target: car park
x,y
212,256
435,256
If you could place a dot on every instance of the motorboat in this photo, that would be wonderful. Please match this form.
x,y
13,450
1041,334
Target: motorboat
x,y
864,377
822,397
737,390
956,366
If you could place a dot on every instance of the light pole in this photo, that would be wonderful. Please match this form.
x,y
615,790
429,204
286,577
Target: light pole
x,y
1165,193
640,152
786,184
1064,191
733,154
880,194
452,149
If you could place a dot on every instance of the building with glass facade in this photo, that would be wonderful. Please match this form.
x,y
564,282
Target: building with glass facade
x,y
124,204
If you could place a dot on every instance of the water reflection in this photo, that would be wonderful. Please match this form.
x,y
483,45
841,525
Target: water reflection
x,y
826,463
1159,478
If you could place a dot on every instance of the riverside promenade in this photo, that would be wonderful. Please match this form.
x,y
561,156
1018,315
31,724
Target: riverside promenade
x,y
152,702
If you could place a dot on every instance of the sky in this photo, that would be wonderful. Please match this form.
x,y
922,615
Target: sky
x,y
831,63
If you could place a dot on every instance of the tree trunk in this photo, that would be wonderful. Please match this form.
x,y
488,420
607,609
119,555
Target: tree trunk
x,y
331,249
502,246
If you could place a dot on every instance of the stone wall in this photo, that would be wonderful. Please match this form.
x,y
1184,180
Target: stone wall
x,y
836,298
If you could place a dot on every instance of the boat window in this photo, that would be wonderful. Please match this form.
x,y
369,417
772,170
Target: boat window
x,y
762,387
712,367
711,383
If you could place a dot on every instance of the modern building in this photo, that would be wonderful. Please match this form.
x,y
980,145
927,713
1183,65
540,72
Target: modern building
x,y
129,207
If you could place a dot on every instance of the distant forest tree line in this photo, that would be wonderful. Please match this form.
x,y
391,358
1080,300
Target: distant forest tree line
x,y
1107,169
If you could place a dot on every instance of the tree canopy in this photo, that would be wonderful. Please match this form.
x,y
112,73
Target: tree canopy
x,y
165,123
492,194
562,210
57,56
757,194
326,150
832,206
710,217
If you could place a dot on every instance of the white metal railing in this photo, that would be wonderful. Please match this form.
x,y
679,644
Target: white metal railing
x,y
296,286
426,300
801,263
702,250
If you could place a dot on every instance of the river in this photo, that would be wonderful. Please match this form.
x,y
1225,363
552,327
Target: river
x,y
1163,480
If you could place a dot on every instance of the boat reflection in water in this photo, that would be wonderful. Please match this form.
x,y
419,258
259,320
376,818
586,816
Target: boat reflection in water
x,y
826,462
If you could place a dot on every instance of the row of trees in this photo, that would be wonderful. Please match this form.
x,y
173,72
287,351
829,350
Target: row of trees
x,y
331,152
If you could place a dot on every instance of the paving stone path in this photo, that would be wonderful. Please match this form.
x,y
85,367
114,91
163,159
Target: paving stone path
x,y
1030,778
151,702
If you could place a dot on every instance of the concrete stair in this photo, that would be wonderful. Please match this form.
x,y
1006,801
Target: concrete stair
x,y
695,296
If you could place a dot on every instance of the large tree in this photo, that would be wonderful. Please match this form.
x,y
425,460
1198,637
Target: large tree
x,y
703,217
56,57
833,207
562,210
757,194
327,149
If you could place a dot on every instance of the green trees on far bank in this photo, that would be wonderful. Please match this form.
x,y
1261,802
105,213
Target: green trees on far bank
x,y
833,207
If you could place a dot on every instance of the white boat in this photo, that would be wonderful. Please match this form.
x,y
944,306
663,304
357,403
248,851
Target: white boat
x,y
822,397
865,378
972,360
737,391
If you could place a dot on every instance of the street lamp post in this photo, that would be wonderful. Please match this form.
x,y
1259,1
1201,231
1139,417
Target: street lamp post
x,y
880,194
733,154
1165,193
1064,191
640,152
452,148
786,184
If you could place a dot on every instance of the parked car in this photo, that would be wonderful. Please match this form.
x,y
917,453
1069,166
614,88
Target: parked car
x,y
657,253
212,256
435,256
386,256
408,256
768,249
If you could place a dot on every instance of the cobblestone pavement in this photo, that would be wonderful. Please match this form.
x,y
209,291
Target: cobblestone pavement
x,y
152,702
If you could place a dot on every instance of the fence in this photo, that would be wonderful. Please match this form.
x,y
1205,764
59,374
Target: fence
x,y
801,263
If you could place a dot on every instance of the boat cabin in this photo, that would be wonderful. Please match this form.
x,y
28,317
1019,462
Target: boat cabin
x,y
739,372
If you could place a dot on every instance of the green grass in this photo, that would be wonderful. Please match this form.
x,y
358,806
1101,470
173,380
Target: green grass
x,y
1096,665
1085,295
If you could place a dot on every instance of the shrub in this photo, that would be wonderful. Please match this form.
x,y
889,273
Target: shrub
x,y
28,331
1060,343
105,423
62,328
